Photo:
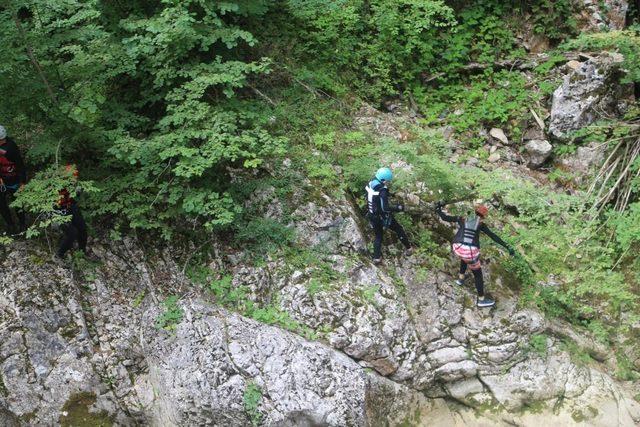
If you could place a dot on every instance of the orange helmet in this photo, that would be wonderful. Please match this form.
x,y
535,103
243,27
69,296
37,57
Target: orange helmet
x,y
72,170
481,210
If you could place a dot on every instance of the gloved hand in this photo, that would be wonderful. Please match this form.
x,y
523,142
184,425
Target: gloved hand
x,y
439,205
512,251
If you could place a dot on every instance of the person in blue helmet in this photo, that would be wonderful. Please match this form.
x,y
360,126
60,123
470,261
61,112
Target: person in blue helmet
x,y
380,212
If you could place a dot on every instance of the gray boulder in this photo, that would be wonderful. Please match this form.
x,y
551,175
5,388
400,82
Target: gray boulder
x,y
603,15
583,162
538,152
586,93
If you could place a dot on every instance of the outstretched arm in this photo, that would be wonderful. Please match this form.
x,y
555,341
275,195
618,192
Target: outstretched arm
x,y
446,217
494,237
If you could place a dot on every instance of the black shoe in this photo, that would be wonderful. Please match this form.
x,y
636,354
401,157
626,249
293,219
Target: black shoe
x,y
485,303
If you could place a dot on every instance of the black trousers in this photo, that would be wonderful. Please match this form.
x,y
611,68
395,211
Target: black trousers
x,y
74,230
477,276
378,229
5,197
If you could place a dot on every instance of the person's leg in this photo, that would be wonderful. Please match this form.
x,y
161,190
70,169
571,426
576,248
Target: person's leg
x,y
461,274
378,229
78,222
483,301
463,268
477,275
22,219
70,234
6,213
397,228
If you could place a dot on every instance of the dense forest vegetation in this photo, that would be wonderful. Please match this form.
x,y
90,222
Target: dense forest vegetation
x,y
176,112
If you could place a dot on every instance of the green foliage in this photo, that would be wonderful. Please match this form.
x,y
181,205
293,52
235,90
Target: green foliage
x,y
251,398
368,294
263,235
41,195
578,355
538,345
376,44
554,19
490,99
147,97
86,267
171,316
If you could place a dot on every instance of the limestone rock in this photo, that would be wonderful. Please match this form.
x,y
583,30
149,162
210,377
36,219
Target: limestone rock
x,y
592,89
538,151
574,65
533,132
584,160
202,371
493,158
605,14
499,135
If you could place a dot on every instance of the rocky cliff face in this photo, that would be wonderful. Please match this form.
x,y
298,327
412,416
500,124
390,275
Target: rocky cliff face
x,y
400,344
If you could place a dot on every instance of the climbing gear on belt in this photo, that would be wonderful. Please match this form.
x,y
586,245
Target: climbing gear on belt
x,y
471,226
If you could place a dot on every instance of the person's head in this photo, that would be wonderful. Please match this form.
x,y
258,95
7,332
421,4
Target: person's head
x,y
71,170
481,211
3,134
384,175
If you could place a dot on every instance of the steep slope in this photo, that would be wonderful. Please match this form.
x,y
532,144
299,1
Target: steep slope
x,y
89,345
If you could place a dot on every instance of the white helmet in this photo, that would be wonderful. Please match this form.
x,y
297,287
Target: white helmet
x,y
3,132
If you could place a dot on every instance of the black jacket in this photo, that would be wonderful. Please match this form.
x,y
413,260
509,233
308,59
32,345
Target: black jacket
x,y
12,169
472,234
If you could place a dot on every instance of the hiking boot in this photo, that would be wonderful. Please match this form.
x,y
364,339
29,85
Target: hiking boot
x,y
409,251
377,261
486,302
459,282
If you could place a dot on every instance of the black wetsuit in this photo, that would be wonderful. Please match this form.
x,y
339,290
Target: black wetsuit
x,y
380,214
471,236
475,237
13,174
73,230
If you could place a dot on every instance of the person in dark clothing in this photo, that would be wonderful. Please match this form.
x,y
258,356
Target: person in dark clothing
x,y
466,246
380,212
74,230
13,175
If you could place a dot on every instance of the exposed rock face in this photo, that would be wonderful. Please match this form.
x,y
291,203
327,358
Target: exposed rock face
x,y
538,152
605,14
204,369
584,160
591,90
67,336
96,334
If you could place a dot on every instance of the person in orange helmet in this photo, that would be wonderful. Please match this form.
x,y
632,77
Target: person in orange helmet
x,y
466,246
74,230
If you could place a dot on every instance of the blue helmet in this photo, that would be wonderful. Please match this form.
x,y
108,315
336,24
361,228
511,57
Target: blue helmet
x,y
384,174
